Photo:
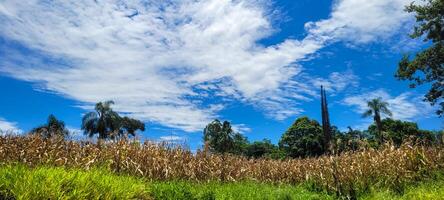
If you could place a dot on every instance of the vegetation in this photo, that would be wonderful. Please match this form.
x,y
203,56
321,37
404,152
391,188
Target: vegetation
x,y
108,124
398,131
392,159
21,182
428,65
326,129
263,148
304,138
376,107
53,127
348,174
221,138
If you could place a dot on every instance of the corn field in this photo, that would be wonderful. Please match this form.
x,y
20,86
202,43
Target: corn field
x,y
344,174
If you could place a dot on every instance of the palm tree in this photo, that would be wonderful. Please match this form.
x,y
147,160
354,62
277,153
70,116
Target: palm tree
x,y
376,107
53,127
103,121
108,124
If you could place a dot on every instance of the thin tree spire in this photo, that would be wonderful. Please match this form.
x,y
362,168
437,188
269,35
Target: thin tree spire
x,y
325,120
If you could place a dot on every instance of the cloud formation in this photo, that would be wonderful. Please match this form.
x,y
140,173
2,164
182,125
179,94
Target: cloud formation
x,y
405,106
337,81
358,21
157,60
8,127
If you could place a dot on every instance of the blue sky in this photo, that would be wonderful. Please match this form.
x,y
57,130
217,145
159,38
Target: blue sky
x,y
177,65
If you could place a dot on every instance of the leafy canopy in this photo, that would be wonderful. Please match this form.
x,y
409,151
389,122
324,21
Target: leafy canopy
x,y
53,127
108,124
428,65
304,138
221,138
398,131
376,107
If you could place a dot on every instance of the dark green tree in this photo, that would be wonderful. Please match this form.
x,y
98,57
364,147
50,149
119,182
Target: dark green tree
x,y
376,107
53,127
398,131
219,136
427,67
326,129
260,149
129,126
240,144
108,124
304,138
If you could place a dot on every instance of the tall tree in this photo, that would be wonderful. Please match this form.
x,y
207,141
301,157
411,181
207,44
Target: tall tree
x,y
53,127
326,129
108,124
376,107
304,138
428,65
219,136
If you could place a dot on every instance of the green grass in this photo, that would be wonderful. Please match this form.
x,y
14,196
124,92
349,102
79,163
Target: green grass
x,y
432,189
244,190
21,182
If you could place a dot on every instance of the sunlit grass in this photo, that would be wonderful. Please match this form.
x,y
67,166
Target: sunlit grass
x,y
20,182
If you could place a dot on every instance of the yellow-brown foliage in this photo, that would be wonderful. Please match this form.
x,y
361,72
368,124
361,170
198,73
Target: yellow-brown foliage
x,y
344,173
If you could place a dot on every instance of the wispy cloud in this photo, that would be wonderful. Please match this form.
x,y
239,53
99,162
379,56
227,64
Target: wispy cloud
x,y
150,57
359,22
172,139
241,128
337,81
405,106
9,127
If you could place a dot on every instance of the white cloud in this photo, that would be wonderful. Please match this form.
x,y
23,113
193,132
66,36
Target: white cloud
x,y
9,127
149,57
240,128
337,81
359,21
172,138
75,132
406,106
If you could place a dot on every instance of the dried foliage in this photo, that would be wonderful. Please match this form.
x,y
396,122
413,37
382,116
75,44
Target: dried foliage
x,y
345,174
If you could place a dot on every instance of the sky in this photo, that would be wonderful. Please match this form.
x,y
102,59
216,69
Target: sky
x,y
179,64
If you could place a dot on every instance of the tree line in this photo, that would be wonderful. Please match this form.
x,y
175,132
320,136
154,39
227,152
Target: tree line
x,y
305,137
103,121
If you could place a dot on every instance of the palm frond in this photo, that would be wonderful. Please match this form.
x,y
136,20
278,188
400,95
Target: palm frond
x,y
367,113
386,111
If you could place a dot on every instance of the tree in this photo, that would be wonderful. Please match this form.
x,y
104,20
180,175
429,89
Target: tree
x,y
219,136
398,131
108,124
130,126
326,129
53,127
240,144
304,138
260,149
376,108
428,65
